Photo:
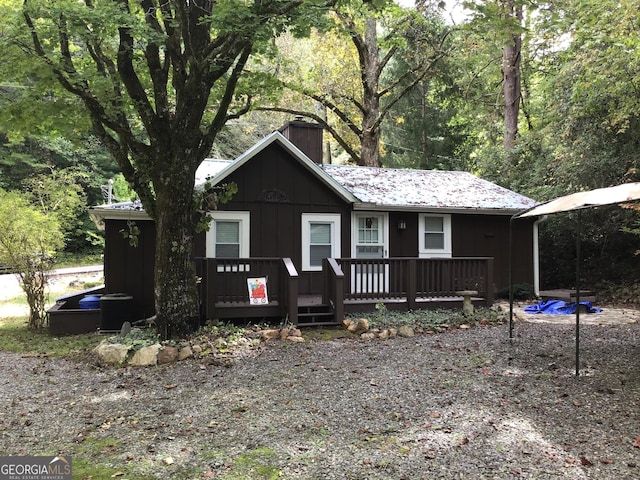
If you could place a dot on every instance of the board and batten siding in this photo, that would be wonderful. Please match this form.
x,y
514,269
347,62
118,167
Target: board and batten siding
x,y
276,189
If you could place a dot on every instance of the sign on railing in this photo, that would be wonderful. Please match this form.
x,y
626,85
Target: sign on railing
x,y
258,291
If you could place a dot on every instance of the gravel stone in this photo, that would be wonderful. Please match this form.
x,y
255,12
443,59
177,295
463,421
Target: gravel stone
x,y
455,405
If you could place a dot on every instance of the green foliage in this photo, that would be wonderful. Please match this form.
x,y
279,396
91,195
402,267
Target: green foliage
x,y
256,463
136,339
435,320
59,194
29,240
208,198
17,337
131,233
62,177
122,191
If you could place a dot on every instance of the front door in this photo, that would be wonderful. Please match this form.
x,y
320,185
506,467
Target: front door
x,y
370,242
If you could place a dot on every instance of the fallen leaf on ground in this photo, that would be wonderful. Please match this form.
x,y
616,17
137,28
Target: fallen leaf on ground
x,y
585,461
173,385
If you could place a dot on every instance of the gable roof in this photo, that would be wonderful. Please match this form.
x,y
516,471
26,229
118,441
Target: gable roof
x,y
403,189
366,188
277,137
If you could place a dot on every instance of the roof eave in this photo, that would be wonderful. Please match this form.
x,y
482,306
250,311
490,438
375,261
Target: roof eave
x,y
425,208
104,212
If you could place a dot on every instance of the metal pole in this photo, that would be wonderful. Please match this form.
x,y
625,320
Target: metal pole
x,y
511,277
578,259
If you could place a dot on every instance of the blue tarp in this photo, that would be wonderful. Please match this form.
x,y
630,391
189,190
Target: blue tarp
x,y
559,307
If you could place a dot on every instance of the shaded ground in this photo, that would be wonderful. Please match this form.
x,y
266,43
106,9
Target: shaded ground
x,y
462,404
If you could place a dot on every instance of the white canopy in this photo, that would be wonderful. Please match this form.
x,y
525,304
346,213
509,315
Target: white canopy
x,y
626,192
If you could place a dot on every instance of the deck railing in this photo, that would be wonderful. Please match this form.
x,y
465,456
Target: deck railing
x,y
224,282
414,278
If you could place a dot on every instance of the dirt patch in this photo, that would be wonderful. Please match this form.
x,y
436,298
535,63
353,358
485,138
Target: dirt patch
x,y
610,315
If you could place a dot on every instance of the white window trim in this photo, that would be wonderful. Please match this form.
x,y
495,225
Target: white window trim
x,y
354,231
243,218
445,252
307,220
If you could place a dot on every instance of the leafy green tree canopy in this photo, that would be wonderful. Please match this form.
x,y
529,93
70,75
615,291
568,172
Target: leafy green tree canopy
x,y
29,240
159,80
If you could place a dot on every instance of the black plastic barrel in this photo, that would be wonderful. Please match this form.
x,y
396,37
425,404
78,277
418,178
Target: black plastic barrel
x,y
115,309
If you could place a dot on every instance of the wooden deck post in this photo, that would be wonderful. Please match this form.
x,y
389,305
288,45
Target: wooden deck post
x,y
289,291
333,287
411,284
489,293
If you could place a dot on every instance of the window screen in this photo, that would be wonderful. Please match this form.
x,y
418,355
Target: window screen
x,y
434,233
319,243
227,239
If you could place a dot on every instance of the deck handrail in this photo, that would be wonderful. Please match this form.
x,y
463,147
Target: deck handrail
x,y
289,287
333,291
413,278
223,286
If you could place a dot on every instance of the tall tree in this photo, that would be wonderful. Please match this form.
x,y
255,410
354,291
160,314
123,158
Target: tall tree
x,y
158,80
511,85
357,96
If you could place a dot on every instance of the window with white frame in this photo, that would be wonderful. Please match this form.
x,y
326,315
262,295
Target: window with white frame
x,y
228,235
320,239
435,235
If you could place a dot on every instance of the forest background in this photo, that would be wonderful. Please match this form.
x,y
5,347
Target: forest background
x,y
539,97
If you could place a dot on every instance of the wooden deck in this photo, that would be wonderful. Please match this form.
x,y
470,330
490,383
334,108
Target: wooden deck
x,y
349,286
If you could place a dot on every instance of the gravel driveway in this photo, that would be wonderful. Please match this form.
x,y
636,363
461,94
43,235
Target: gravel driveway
x,y
464,404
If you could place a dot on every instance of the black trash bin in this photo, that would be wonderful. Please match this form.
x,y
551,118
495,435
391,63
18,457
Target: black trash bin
x,y
115,309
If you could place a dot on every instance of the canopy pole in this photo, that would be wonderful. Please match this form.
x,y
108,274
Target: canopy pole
x,y
578,261
511,277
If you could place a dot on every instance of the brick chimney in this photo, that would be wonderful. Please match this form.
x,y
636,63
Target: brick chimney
x,y
306,136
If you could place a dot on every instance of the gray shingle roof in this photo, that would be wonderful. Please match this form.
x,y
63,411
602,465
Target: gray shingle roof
x,y
398,188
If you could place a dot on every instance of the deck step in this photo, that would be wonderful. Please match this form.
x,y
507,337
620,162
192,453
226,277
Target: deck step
x,y
318,324
316,315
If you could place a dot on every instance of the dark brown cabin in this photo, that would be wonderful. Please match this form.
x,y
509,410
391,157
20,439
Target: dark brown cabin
x,y
332,238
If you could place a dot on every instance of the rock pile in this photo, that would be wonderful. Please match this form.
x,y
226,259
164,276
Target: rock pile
x,y
119,351
361,327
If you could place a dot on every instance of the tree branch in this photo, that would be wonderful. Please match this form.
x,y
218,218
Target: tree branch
x,y
334,133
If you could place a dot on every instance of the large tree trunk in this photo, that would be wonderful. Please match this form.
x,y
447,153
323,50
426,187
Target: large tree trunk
x,y
370,70
511,77
176,299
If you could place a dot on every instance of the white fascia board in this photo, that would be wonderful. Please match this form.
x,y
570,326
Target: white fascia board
x,y
423,209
